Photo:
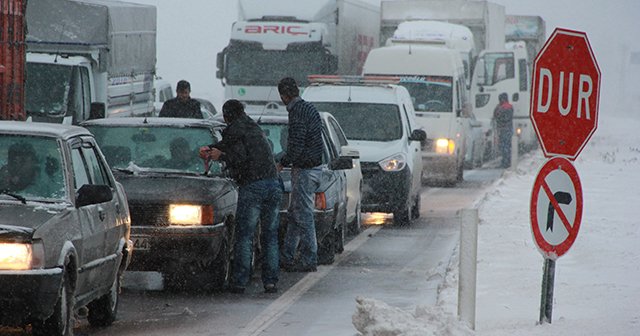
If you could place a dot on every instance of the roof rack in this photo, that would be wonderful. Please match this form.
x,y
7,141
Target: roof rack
x,y
353,80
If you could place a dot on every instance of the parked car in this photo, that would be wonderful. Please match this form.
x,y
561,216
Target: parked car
x,y
331,196
379,120
64,229
182,216
208,110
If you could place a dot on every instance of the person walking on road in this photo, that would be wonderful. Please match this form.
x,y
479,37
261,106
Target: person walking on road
x,y
304,156
245,150
503,116
182,106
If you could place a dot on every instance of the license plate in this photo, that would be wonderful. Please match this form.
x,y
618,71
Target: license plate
x,y
141,243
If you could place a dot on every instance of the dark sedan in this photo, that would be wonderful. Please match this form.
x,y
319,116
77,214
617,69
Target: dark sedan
x,y
181,216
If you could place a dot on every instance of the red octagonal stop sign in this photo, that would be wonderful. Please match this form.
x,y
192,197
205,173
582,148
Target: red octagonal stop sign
x,y
565,94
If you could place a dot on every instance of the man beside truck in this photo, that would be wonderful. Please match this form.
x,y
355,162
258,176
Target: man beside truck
x,y
182,106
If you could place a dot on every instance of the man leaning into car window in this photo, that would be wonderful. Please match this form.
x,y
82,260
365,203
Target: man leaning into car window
x,y
245,150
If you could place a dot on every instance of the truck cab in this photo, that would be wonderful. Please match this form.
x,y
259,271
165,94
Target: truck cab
x,y
499,71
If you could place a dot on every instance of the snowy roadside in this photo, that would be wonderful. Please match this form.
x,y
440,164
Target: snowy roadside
x,y
597,283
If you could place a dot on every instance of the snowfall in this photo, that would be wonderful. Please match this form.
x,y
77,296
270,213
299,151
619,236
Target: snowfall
x,y
597,282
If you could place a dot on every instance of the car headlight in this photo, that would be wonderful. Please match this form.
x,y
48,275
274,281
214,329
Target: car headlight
x,y
185,214
445,146
395,162
518,131
21,256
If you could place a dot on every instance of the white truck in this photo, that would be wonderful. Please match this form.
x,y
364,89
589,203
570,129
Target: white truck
x,y
89,59
288,39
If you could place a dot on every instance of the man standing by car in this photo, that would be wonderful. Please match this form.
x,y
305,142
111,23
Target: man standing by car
x,y
245,150
182,106
503,116
304,155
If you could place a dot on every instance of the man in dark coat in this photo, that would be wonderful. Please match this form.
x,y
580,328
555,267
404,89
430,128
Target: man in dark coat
x,y
182,106
503,116
304,155
245,150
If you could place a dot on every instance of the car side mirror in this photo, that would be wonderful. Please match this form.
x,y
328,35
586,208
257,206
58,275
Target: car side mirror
x,y
93,194
341,163
418,135
350,152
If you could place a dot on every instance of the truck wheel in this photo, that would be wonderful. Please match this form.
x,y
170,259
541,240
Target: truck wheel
x,y
103,311
60,323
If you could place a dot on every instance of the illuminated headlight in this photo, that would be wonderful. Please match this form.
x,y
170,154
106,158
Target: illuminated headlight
x,y
21,256
396,162
184,214
518,131
445,146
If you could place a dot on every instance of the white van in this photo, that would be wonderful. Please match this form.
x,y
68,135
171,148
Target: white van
x,y
379,121
435,79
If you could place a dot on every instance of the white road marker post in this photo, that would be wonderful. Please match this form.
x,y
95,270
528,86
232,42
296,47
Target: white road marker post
x,y
467,268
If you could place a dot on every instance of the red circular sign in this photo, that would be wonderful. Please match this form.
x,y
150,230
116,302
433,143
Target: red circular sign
x,y
565,94
556,207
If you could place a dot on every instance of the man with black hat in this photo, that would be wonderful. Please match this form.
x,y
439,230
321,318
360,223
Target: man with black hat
x,y
503,116
182,106
304,155
247,153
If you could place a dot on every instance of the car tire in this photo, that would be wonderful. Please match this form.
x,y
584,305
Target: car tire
x,y
402,217
415,209
341,233
103,310
220,269
355,226
60,323
326,249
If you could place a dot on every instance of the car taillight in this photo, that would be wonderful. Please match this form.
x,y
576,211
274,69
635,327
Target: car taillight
x,y
321,201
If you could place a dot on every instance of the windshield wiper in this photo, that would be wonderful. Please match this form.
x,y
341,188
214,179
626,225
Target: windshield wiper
x,y
16,196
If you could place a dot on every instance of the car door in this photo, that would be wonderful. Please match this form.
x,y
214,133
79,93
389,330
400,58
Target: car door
x,y
97,260
414,153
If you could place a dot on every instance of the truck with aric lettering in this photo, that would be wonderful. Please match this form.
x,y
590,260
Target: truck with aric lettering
x,y
288,39
89,59
12,59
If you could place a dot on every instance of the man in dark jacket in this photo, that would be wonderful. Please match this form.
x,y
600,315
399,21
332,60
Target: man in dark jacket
x,y
304,155
503,116
245,150
182,106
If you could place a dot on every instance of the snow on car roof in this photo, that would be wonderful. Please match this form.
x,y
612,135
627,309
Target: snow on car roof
x,y
42,129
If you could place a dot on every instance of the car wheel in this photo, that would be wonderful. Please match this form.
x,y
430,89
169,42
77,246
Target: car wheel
x,y
220,269
60,323
340,233
355,225
326,249
103,311
415,209
402,217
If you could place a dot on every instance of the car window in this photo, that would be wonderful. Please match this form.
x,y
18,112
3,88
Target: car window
x,y
156,147
337,133
96,170
80,174
361,121
30,166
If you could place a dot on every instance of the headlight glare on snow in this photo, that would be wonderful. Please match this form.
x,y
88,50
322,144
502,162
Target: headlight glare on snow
x,y
395,162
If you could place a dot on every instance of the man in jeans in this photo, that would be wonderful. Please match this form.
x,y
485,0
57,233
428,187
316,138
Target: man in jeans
x,y
246,151
304,155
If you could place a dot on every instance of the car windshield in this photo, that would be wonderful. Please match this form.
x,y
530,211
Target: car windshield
x,y
30,167
429,93
155,147
365,121
277,136
47,87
